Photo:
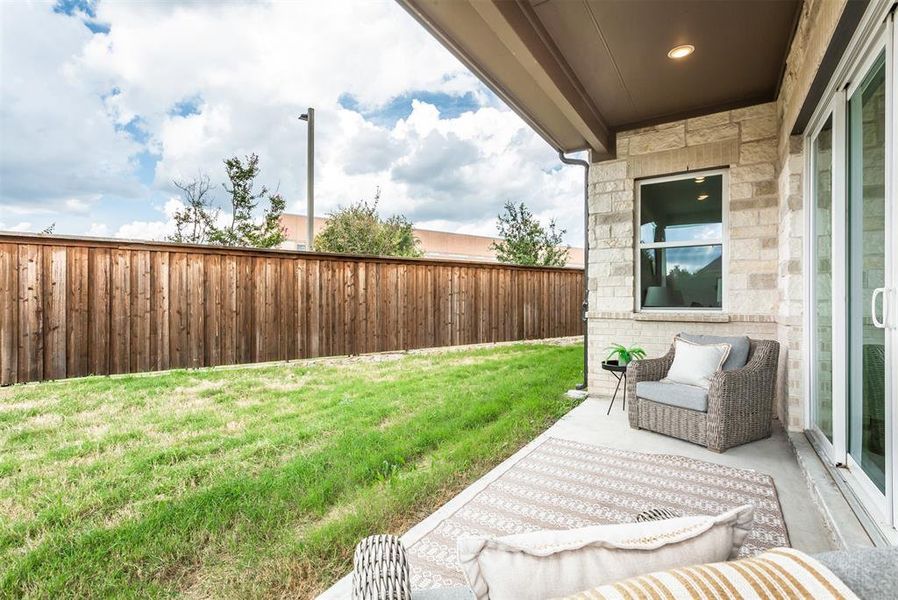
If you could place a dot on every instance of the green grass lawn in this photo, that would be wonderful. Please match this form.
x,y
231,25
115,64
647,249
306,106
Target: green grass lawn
x,y
252,482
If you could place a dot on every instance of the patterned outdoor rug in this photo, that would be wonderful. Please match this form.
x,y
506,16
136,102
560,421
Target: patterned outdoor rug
x,y
563,485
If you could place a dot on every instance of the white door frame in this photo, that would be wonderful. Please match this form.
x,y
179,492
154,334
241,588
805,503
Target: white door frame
x,y
877,32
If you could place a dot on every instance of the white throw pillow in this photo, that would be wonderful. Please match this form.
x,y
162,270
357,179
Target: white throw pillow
x,y
549,564
694,364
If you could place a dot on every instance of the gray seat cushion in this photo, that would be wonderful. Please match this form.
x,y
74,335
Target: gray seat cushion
x,y
674,394
871,573
740,345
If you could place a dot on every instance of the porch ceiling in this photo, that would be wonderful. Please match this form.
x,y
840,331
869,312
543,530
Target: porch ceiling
x,y
579,70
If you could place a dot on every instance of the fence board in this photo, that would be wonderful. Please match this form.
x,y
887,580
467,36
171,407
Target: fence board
x,y
212,306
245,292
160,313
313,303
141,304
228,321
54,311
196,322
9,314
98,310
177,289
72,307
77,310
120,313
31,354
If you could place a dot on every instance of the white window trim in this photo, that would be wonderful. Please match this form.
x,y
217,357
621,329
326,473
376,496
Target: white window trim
x,y
723,241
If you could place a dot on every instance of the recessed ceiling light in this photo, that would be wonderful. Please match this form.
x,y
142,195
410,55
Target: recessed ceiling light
x,y
703,197
681,51
699,180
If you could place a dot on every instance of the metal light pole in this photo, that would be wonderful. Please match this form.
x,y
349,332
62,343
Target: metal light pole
x,y
309,117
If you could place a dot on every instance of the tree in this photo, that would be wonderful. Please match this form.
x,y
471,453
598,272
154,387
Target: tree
x,y
195,222
526,242
358,229
244,229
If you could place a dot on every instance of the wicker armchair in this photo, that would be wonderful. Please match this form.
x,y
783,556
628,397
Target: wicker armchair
x,y
740,402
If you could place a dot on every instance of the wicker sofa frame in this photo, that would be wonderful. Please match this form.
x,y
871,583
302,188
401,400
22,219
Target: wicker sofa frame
x,y
740,402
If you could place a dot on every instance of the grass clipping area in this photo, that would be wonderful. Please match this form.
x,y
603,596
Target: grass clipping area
x,y
252,482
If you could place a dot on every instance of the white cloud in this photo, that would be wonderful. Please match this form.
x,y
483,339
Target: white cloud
x,y
58,140
76,205
23,226
145,230
98,230
83,107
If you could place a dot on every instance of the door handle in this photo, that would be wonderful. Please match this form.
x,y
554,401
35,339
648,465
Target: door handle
x,y
877,323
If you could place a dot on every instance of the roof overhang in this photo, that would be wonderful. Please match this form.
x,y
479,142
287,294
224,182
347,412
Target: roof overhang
x,y
579,70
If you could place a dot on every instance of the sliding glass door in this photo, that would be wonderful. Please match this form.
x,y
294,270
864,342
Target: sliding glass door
x,y
852,271
867,264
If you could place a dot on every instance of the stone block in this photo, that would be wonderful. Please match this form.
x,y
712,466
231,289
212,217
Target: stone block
x,y
743,218
754,266
753,203
730,131
768,215
795,184
622,230
656,141
762,281
600,202
752,173
622,269
758,152
740,191
767,109
613,185
764,188
622,144
756,231
759,128
745,249
712,120
608,170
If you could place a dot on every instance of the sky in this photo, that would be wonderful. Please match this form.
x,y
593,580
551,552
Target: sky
x,y
103,104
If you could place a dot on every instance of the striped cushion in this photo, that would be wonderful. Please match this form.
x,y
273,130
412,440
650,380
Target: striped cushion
x,y
656,514
779,573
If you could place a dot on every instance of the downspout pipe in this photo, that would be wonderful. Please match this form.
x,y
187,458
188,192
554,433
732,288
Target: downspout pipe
x,y
585,307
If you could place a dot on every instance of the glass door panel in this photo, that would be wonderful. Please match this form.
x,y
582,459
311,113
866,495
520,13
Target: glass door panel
x,y
822,161
866,273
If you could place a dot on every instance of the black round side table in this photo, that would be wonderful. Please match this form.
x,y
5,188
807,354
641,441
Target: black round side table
x,y
620,372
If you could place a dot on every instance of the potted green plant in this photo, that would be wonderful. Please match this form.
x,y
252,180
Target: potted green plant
x,y
624,354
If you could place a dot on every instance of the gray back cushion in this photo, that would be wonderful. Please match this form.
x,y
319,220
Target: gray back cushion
x,y
738,353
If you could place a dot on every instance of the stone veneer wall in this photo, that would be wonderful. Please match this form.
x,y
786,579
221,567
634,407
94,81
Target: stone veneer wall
x,y
790,308
745,142
815,27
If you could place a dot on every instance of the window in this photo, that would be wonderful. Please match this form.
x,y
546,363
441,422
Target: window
x,y
681,242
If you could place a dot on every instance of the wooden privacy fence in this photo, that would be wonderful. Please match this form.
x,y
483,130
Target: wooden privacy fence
x,y
72,306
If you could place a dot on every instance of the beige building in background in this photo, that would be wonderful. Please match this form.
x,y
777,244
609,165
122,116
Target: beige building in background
x,y
435,244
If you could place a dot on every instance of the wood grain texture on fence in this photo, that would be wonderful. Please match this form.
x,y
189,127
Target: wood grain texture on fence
x,y
71,307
